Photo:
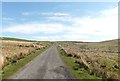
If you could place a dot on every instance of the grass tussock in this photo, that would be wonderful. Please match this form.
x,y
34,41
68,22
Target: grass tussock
x,y
15,50
15,54
98,59
75,68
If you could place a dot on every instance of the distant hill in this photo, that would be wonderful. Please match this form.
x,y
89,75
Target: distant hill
x,y
15,39
114,41
106,41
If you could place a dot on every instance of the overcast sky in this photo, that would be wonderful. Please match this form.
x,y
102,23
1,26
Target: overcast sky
x,y
58,21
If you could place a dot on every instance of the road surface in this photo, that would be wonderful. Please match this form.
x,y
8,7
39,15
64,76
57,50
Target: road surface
x,y
47,65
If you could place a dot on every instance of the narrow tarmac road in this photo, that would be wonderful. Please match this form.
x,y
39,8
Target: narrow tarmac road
x,y
47,65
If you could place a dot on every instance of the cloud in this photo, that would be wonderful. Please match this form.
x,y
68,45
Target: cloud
x,y
54,14
106,23
61,18
32,28
62,37
26,13
110,12
7,18
104,26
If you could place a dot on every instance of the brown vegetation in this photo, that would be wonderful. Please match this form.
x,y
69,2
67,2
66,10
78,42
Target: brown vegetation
x,y
100,59
1,61
16,50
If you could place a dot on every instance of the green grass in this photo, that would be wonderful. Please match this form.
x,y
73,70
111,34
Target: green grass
x,y
80,73
13,68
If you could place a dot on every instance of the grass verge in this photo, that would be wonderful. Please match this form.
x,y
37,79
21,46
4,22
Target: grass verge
x,y
13,68
79,73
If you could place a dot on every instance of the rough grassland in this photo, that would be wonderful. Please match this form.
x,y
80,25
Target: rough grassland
x,y
97,58
79,73
13,68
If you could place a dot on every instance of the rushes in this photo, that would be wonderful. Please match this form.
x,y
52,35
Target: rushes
x,y
1,61
99,59
16,50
